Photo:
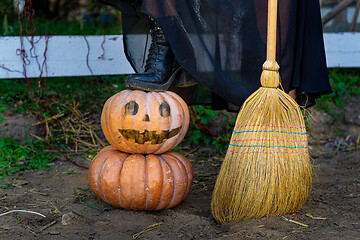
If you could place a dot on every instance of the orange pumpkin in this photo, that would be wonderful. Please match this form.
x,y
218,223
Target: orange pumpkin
x,y
140,182
145,122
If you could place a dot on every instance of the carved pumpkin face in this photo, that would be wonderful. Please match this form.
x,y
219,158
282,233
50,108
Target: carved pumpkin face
x,y
145,122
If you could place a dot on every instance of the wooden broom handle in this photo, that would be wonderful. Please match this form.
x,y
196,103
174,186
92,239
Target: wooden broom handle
x,y
271,30
270,76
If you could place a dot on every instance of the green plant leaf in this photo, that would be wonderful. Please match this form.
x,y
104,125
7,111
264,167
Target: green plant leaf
x,y
3,108
20,109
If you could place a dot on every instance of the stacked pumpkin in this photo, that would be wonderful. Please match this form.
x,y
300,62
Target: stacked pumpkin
x,y
137,172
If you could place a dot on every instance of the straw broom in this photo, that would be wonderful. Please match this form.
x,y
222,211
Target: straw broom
x,y
267,170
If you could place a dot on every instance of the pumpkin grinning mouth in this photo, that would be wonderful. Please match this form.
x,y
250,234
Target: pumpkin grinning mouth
x,y
148,136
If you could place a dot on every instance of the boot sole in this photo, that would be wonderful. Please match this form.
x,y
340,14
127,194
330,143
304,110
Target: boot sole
x,y
134,84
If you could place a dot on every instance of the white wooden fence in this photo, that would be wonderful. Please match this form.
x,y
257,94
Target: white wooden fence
x,y
104,55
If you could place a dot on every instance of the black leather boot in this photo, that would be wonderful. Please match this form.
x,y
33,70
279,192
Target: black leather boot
x,y
161,68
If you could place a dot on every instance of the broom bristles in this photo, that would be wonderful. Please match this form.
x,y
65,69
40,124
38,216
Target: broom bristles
x,y
267,170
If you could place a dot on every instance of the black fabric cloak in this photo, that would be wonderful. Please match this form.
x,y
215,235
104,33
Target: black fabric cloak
x,y
222,43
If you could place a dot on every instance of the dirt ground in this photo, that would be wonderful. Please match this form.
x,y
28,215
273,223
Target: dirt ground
x,y
62,195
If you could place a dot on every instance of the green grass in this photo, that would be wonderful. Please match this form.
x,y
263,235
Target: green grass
x,y
16,158
3,108
87,93
345,84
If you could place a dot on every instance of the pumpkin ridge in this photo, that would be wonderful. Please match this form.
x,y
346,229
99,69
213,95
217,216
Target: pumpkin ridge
x,y
157,96
166,95
99,169
173,177
183,111
147,100
126,182
162,182
107,117
108,105
131,188
179,162
103,193
119,187
134,181
127,95
111,165
146,181
188,170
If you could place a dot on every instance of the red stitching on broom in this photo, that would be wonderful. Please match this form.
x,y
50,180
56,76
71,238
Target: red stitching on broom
x,y
266,152
280,140
256,125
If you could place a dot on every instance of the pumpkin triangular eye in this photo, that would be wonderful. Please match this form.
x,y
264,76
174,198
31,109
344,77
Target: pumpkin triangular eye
x,y
164,109
131,108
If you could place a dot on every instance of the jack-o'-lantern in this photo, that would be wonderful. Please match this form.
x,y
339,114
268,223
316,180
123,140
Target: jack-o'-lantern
x,y
140,182
145,122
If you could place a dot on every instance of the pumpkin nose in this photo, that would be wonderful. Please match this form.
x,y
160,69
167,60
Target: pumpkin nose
x,y
146,118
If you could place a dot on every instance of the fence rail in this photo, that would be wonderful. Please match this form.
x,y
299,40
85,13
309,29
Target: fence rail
x,y
58,56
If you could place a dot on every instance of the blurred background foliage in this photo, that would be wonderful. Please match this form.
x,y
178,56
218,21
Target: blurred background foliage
x,y
59,17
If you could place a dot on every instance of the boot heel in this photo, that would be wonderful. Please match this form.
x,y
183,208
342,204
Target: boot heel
x,y
184,79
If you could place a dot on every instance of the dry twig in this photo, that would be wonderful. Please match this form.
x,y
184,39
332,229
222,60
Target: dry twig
x,y
296,222
47,226
24,211
149,228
